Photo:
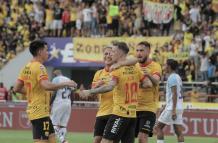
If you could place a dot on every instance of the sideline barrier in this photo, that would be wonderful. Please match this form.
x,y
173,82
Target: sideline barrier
x,y
196,122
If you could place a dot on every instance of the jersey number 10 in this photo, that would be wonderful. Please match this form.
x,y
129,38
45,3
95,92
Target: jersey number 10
x,y
131,90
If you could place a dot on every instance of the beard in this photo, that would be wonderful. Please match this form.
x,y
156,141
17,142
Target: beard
x,y
142,61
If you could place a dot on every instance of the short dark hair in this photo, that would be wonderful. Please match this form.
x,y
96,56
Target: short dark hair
x,y
145,44
172,63
122,46
35,46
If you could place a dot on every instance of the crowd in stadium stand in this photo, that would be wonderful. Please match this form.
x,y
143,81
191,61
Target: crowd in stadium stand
x,y
193,27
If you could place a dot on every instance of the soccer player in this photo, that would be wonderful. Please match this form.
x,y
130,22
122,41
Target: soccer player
x,y
60,106
105,99
33,81
125,84
172,113
148,97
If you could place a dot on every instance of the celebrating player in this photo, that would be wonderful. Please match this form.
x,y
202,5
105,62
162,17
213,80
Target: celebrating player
x,y
172,113
125,82
148,97
105,99
33,81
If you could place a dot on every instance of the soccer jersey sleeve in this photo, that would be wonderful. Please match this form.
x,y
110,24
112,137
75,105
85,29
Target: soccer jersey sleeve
x,y
115,75
20,77
157,70
41,73
172,81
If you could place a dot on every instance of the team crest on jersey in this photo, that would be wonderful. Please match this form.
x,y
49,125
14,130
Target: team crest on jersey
x,y
42,67
23,120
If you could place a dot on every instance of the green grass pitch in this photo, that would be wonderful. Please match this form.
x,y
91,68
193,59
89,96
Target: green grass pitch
x,y
12,136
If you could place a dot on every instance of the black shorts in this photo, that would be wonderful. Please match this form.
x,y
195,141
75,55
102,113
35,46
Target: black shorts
x,y
42,128
145,122
120,128
100,124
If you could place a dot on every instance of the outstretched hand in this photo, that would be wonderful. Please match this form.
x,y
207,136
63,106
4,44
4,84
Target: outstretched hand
x,y
84,93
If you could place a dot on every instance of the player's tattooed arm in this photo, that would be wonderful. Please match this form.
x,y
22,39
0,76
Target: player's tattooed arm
x,y
102,89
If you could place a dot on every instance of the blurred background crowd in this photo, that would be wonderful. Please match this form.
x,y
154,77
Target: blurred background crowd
x,y
193,28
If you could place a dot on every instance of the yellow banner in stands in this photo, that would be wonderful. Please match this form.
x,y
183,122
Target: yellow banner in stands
x,y
215,5
178,56
90,49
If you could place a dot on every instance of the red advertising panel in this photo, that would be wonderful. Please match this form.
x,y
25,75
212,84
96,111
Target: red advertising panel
x,y
196,122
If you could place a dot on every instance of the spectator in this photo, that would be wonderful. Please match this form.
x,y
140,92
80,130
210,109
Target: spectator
x,y
57,23
204,67
73,13
209,14
193,51
66,21
49,20
94,25
87,20
3,92
14,96
102,12
195,13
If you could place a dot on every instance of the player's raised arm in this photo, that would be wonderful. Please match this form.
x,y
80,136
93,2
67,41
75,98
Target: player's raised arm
x,y
129,61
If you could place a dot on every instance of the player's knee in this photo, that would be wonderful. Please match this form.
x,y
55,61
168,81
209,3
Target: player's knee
x,y
141,140
142,137
158,129
106,141
97,139
52,138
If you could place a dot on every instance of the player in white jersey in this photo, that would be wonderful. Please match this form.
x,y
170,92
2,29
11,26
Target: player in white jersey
x,y
61,107
172,113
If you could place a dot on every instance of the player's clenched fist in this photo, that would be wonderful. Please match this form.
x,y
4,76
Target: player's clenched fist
x,y
146,83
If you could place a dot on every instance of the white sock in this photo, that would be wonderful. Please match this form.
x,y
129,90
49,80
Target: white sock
x,y
180,142
59,132
160,141
63,132
57,129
